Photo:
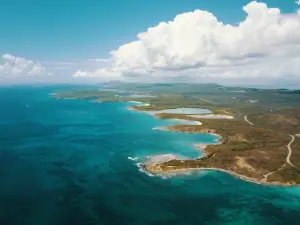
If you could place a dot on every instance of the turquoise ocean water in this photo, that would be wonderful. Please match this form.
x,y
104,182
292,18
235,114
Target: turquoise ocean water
x,y
65,162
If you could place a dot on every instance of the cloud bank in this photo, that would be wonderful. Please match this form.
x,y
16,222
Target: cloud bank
x,y
14,67
197,46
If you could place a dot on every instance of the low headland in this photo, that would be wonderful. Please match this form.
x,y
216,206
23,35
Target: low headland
x,y
248,152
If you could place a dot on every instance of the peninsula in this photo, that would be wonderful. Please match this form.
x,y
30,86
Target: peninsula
x,y
259,141
251,153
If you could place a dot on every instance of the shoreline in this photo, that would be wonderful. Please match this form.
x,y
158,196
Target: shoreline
x,y
234,174
164,128
160,172
201,147
141,103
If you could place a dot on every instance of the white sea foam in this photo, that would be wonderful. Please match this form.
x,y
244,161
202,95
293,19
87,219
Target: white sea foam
x,y
133,158
188,122
136,102
158,128
141,169
140,103
175,174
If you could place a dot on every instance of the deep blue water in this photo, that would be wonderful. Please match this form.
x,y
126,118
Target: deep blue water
x,y
65,162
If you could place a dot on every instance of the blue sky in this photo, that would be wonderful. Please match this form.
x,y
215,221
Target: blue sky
x,y
79,29
70,31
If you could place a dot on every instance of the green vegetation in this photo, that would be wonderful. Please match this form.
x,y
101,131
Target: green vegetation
x,y
245,149
251,151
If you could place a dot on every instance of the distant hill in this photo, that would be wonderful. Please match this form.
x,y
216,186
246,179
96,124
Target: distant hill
x,y
295,92
287,91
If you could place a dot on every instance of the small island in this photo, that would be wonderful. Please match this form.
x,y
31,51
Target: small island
x,y
258,141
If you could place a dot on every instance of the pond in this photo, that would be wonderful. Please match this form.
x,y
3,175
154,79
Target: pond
x,y
187,111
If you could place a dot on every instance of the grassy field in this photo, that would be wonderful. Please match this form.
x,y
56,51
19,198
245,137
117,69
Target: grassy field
x,y
245,149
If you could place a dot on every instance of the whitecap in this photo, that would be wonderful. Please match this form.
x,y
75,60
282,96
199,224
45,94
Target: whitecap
x,y
136,102
141,169
132,158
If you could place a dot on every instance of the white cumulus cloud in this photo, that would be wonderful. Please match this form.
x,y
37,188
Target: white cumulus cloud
x,y
12,66
196,45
